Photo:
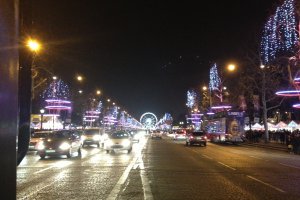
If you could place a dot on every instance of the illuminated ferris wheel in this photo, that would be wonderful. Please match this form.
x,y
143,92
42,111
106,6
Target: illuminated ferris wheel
x,y
149,120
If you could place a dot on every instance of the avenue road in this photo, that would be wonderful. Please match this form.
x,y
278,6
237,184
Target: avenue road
x,y
163,169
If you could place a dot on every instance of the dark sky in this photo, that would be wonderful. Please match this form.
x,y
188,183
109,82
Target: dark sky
x,y
146,54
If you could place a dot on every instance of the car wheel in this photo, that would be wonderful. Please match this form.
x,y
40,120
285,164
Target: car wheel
x,y
205,144
69,154
107,151
186,144
129,150
98,145
42,156
79,152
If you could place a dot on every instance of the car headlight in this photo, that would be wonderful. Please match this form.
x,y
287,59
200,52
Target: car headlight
x,y
65,146
126,143
105,136
40,145
96,137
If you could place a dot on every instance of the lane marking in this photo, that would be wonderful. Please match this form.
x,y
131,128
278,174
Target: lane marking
x,y
267,184
227,166
292,166
207,157
117,188
146,186
44,169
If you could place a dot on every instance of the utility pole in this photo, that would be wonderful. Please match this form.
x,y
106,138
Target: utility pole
x,y
9,57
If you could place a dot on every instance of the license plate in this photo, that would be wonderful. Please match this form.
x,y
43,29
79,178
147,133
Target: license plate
x,y
50,151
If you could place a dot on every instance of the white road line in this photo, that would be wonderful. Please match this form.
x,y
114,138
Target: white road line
x,y
146,186
267,184
117,188
44,169
226,166
292,166
207,157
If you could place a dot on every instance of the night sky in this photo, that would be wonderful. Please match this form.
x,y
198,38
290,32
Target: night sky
x,y
145,55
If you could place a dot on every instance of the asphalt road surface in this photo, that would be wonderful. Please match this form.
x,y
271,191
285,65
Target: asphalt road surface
x,y
163,169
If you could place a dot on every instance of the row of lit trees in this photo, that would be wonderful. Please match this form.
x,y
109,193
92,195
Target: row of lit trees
x,y
84,101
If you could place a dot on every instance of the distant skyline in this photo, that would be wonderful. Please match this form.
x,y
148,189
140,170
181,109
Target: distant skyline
x,y
146,55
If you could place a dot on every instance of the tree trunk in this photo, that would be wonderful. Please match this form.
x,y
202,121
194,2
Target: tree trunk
x,y
265,110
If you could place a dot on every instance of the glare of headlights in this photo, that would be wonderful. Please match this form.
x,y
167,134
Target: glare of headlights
x,y
65,146
96,137
126,143
40,146
83,137
109,142
105,136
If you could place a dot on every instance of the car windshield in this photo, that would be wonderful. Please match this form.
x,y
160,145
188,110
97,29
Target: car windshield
x,y
198,133
91,132
119,135
39,135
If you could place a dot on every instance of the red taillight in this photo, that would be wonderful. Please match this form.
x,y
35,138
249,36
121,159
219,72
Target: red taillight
x,y
205,137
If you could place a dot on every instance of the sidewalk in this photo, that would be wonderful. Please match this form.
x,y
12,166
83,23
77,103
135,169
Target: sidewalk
x,y
270,145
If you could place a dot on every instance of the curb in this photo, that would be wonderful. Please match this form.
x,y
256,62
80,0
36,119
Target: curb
x,y
266,146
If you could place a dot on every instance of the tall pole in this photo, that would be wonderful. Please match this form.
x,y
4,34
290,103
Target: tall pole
x,y
9,57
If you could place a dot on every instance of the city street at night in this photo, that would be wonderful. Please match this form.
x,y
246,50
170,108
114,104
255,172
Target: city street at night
x,y
163,169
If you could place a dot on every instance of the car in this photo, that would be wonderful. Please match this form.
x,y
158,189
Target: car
x,y
119,140
156,134
198,137
62,142
36,137
91,136
180,135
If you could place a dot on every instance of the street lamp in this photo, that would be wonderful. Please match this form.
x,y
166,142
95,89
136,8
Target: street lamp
x,y
79,78
33,45
98,92
231,67
42,111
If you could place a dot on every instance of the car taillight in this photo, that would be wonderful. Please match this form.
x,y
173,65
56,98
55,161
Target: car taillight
x,y
205,137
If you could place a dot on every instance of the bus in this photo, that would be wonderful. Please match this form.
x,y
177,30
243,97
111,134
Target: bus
x,y
225,126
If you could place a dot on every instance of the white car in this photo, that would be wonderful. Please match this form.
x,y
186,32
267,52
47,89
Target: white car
x,y
120,140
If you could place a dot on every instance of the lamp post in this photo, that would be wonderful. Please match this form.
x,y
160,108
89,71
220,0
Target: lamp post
x,y
42,111
34,46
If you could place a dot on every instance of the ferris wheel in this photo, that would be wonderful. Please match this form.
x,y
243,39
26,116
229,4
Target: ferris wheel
x,y
149,120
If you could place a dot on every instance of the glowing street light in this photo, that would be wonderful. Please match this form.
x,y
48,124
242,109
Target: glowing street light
x,y
79,78
231,67
108,100
262,66
80,91
98,92
54,77
204,88
33,45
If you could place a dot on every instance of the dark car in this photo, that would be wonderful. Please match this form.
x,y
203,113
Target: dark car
x,y
196,138
91,136
63,142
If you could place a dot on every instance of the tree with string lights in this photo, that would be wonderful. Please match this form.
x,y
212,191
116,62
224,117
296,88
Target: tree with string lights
x,y
279,47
